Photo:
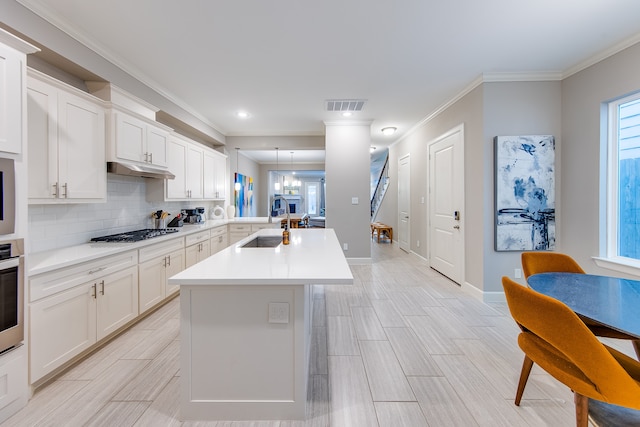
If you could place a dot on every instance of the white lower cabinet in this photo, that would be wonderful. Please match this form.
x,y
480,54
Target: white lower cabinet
x,y
197,247
219,239
158,263
117,301
238,232
66,323
13,374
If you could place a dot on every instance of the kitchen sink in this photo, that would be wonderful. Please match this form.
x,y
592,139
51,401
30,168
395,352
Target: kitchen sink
x,y
263,242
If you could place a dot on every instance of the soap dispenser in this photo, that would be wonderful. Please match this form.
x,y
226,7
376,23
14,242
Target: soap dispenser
x,y
285,236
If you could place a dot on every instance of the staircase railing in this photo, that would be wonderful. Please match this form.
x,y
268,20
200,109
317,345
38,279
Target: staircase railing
x,y
381,188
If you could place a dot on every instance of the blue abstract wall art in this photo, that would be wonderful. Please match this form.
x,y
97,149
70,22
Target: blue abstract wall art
x,y
243,197
525,193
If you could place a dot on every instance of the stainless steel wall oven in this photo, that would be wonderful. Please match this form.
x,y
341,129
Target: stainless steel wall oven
x,y
11,294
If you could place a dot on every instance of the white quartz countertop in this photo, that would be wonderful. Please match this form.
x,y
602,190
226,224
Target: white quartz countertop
x,y
42,262
314,256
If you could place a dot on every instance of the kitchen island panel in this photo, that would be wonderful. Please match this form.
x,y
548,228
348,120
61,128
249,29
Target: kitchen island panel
x,y
238,364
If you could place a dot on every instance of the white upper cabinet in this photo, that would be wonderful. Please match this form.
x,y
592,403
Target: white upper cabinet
x,y
176,188
195,156
214,173
185,162
10,100
66,137
135,139
157,145
12,76
133,133
199,172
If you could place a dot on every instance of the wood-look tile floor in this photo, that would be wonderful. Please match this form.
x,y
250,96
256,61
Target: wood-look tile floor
x,y
404,346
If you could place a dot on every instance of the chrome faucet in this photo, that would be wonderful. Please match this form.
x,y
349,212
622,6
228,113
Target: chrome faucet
x,y
286,205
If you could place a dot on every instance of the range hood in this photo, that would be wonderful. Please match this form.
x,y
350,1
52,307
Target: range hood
x,y
133,169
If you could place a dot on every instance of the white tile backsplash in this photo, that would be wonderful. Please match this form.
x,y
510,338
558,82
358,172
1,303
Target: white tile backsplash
x,y
126,209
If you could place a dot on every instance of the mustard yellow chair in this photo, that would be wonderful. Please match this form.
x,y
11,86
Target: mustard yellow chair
x,y
545,262
555,338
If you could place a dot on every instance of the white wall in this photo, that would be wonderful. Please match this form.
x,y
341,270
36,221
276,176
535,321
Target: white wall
x,y
515,108
583,96
347,167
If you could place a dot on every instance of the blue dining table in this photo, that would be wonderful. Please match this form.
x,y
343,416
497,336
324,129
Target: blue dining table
x,y
610,301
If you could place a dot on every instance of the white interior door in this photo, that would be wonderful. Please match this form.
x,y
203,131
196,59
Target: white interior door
x,y
446,201
404,203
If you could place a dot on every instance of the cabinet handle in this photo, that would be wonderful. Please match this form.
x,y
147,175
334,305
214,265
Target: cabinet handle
x,y
55,189
146,157
96,270
150,157
169,260
65,190
102,287
164,262
93,288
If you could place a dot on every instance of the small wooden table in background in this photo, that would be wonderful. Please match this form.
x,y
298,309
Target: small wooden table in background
x,y
380,228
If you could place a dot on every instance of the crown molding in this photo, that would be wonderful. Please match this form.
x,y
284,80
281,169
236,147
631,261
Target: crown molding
x,y
16,43
617,48
276,133
544,76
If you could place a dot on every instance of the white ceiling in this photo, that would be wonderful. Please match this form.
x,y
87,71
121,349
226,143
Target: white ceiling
x,y
280,60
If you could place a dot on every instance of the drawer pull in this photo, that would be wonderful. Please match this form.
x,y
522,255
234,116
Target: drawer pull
x,y
96,270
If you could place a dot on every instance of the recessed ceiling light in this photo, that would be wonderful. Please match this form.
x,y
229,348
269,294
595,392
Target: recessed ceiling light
x,y
347,114
242,114
372,148
389,130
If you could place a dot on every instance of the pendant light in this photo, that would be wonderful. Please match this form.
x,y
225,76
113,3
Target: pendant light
x,y
277,184
237,184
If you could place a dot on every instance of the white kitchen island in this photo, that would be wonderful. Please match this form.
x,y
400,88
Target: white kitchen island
x,y
246,326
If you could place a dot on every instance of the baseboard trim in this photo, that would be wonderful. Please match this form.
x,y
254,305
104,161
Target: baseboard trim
x,y
480,295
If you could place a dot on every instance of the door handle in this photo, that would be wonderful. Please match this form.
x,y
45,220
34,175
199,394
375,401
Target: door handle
x,y
457,227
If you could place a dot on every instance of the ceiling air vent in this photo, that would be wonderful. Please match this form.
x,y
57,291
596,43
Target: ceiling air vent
x,y
343,105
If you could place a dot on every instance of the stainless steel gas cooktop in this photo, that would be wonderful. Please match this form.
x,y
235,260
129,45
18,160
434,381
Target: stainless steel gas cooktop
x,y
135,236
